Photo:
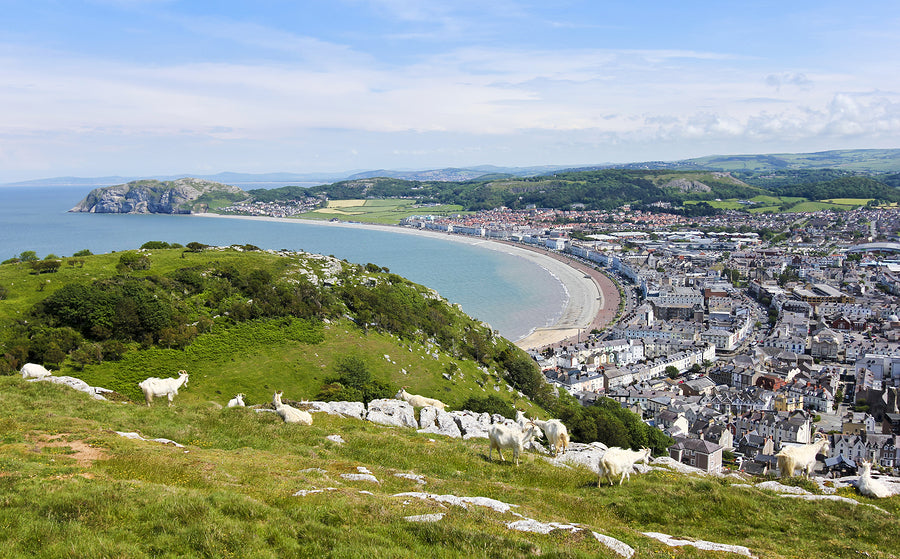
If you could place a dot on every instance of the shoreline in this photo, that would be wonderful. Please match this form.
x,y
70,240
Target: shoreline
x,y
592,299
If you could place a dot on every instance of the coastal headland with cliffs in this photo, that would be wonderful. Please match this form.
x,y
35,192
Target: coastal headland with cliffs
x,y
591,297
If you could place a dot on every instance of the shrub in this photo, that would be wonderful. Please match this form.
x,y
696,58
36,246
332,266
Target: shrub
x,y
490,404
131,261
156,245
194,246
354,382
45,266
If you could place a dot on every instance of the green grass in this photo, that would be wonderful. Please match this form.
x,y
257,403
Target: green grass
x,y
817,206
386,212
849,201
791,203
229,492
255,357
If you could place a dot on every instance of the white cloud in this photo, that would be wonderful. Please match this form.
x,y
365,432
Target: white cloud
x,y
496,100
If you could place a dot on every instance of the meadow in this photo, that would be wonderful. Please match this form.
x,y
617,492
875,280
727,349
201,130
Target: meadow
x,y
71,487
386,211
780,204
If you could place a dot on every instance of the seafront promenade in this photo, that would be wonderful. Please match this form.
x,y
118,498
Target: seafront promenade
x,y
593,298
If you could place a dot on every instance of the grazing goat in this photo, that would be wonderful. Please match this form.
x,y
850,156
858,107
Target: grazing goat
x,y
153,386
417,401
237,401
290,414
869,486
502,437
556,433
618,462
804,456
33,370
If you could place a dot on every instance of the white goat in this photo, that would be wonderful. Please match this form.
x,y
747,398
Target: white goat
x,y
502,437
290,414
869,486
33,370
803,456
237,401
618,462
153,386
417,401
556,433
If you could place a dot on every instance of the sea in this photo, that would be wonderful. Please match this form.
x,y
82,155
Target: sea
x,y
512,294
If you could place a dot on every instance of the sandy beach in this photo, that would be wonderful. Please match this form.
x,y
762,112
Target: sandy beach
x,y
592,297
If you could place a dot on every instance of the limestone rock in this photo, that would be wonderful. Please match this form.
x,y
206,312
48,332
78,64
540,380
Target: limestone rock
x,y
394,413
587,455
436,421
77,384
154,197
471,424
355,410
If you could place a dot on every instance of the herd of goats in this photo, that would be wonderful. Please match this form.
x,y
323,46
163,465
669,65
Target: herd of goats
x,y
616,463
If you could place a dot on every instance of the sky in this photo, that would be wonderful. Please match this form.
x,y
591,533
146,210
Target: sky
x,y
157,87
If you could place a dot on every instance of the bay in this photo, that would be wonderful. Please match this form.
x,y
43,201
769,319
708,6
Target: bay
x,y
510,293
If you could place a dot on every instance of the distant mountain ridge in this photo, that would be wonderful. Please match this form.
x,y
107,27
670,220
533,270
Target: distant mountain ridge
x,y
857,160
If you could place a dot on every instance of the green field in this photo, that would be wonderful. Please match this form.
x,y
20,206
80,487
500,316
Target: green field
x,y
386,212
72,487
779,204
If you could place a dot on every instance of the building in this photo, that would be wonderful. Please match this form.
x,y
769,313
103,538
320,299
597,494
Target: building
x,y
697,453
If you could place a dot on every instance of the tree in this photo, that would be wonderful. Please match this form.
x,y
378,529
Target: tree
x,y
131,261
28,256
672,371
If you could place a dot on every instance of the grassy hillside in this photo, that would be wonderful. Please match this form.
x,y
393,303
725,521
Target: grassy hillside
x,y
71,487
866,160
244,320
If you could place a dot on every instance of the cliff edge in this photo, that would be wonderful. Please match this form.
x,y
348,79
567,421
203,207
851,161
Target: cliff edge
x,y
181,196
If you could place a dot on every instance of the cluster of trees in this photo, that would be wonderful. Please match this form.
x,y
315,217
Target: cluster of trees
x,y
97,320
353,382
605,189
608,422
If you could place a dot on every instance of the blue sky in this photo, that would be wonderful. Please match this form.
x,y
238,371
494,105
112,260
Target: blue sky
x,y
145,87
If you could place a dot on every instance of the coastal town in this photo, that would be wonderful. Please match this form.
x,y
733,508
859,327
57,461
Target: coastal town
x,y
737,334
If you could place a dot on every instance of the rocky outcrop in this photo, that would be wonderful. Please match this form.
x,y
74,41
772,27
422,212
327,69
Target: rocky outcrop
x,y
394,413
685,185
182,196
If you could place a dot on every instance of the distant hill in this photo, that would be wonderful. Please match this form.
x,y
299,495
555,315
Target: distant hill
x,y
858,160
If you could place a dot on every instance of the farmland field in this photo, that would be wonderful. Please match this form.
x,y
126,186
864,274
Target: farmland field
x,y
786,204
388,211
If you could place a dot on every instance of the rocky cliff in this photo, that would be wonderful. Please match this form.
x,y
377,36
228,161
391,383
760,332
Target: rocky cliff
x,y
182,196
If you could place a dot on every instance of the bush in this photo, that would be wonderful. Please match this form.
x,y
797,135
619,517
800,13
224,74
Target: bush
x,y
490,404
354,383
194,246
45,266
131,261
156,245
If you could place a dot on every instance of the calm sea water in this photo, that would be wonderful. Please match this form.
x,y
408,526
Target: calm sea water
x,y
513,295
